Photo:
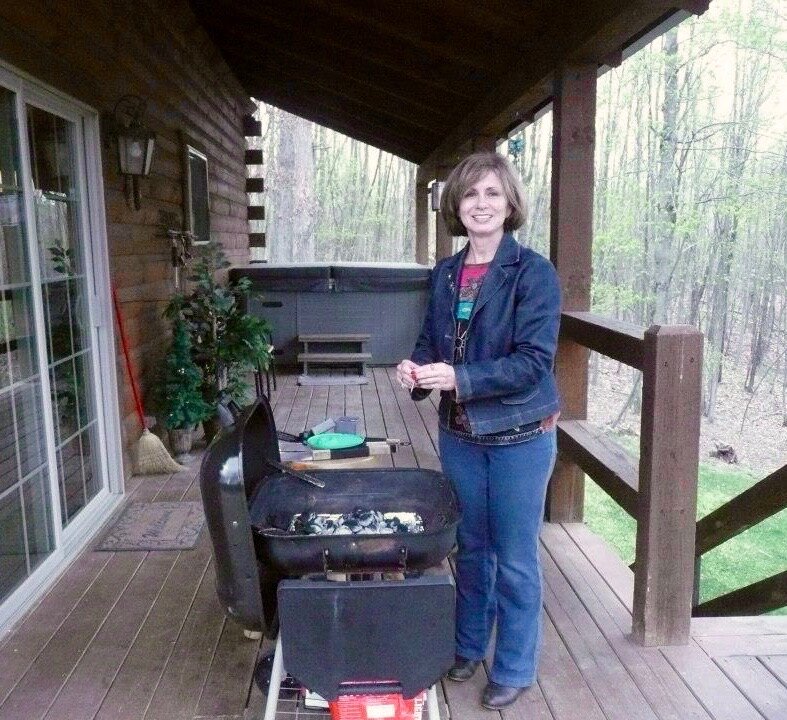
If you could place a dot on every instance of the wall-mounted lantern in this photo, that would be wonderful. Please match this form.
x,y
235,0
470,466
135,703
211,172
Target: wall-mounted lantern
x,y
435,193
135,144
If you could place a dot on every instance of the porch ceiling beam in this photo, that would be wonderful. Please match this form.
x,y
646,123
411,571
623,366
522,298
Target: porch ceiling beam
x,y
333,68
424,31
529,83
335,104
301,29
349,124
328,60
326,79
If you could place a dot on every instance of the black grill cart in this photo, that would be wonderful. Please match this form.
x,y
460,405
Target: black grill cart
x,y
370,611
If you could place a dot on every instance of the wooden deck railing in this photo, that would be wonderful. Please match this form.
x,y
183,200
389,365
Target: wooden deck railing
x,y
761,501
661,494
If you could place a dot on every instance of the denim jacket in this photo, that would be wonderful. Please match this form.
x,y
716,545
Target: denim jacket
x,y
507,377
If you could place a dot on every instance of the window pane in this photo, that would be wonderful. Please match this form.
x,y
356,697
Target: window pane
x,y
13,252
38,518
9,475
29,428
64,399
65,291
13,563
56,317
21,343
92,481
72,485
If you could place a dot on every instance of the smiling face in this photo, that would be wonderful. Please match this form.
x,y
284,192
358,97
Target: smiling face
x,y
484,208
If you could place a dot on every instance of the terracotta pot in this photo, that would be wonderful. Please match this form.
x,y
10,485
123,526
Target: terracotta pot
x,y
180,439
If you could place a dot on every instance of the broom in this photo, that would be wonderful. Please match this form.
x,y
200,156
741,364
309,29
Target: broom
x,y
152,457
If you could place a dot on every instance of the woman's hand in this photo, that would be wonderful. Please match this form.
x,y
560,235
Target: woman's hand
x,y
405,371
436,376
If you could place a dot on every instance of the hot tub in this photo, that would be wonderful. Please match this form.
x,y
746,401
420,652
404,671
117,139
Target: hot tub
x,y
385,300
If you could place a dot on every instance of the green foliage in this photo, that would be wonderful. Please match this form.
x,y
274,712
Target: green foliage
x,y
181,397
226,342
722,571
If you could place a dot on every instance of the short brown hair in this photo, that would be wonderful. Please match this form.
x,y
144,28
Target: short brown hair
x,y
468,172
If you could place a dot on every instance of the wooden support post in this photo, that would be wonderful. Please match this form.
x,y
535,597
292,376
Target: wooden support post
x,y
571,240
444,244
669,456
422,223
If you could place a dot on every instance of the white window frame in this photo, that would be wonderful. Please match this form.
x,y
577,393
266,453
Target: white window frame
x,y
69,541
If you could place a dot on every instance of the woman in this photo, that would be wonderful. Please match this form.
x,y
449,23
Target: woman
x,y
488,345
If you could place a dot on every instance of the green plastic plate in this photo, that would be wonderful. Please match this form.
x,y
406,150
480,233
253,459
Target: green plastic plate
x,y
334,441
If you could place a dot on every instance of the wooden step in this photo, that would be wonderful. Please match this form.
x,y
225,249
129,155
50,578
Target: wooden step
x,y
334,357
334,337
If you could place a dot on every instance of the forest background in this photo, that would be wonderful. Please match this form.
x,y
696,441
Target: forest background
x,y
690,224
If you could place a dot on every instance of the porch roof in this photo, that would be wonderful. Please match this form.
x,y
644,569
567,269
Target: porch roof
x,y
420,78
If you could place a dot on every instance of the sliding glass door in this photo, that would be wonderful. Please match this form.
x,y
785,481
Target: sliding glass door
x,y
51,433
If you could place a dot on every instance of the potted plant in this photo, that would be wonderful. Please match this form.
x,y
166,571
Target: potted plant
x,y
226,342
181,397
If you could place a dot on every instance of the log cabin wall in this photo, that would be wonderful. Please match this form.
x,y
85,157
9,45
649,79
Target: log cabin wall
x,y
97,51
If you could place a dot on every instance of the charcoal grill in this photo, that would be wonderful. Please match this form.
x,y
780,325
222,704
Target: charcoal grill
x,y
331,633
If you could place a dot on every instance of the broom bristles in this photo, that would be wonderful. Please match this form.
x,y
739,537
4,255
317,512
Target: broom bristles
x,y
153,458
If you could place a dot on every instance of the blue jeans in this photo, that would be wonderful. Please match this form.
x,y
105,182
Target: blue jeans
x,y
501,491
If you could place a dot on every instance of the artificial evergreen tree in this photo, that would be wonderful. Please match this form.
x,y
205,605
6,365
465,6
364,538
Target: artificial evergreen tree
x,y
182,402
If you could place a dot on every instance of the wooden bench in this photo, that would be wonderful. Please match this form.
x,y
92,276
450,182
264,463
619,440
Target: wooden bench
x,y
334,349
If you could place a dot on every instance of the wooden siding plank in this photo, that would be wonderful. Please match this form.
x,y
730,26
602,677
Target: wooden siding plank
x,y
617,575
424,451
372,414
777,664
756,682
136,681
87,685
252,157
34,693
658,682
31,636
607,677
230,676
318,406
181,684
563,685
709,684
251,126
394,424
176,486
335,408
464,698
617,339
255,212
755,625
255,185
607,462
727,645
296,422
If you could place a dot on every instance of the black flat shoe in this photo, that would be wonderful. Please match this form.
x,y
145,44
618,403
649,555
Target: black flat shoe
x,y
496,696
463,669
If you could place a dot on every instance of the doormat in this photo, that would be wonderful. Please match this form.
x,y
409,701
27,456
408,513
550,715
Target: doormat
x,y
156,526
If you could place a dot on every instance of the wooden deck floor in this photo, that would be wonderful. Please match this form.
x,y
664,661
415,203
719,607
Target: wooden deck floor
x,y
140,635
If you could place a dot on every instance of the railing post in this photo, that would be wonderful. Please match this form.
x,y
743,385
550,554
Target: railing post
x,y
422,223
444,241
571,250
669,456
